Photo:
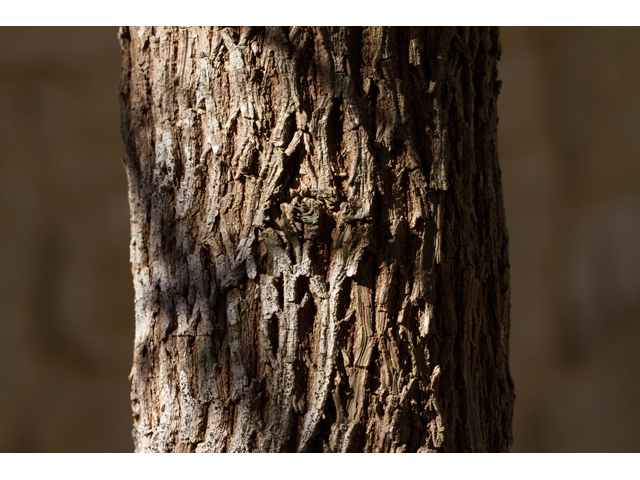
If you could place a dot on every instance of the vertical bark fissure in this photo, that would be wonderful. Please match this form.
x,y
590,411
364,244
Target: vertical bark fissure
x,y
318,242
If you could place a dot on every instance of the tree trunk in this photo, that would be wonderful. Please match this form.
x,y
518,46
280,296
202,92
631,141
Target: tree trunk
x,y
318,242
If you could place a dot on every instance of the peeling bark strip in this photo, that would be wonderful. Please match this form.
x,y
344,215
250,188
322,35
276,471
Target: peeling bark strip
x,y
318,242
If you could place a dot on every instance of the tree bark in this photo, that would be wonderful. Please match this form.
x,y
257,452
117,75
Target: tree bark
x,y
318,246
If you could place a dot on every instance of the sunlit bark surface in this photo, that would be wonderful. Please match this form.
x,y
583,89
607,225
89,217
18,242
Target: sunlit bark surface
x,y
318,242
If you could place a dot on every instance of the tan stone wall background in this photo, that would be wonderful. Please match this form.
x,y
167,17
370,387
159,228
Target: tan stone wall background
x,y
570,155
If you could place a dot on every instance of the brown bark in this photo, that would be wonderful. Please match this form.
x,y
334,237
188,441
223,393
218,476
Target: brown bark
x,y
318,243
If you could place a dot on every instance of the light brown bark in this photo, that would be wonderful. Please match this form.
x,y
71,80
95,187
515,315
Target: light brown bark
x,y
318,243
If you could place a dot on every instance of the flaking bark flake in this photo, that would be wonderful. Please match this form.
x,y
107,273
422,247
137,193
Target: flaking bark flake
x,y
318,241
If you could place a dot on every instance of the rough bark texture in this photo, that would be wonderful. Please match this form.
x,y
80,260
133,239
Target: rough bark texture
x,y
318,243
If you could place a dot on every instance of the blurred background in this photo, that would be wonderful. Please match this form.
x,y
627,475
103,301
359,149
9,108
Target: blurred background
x,y
570,154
